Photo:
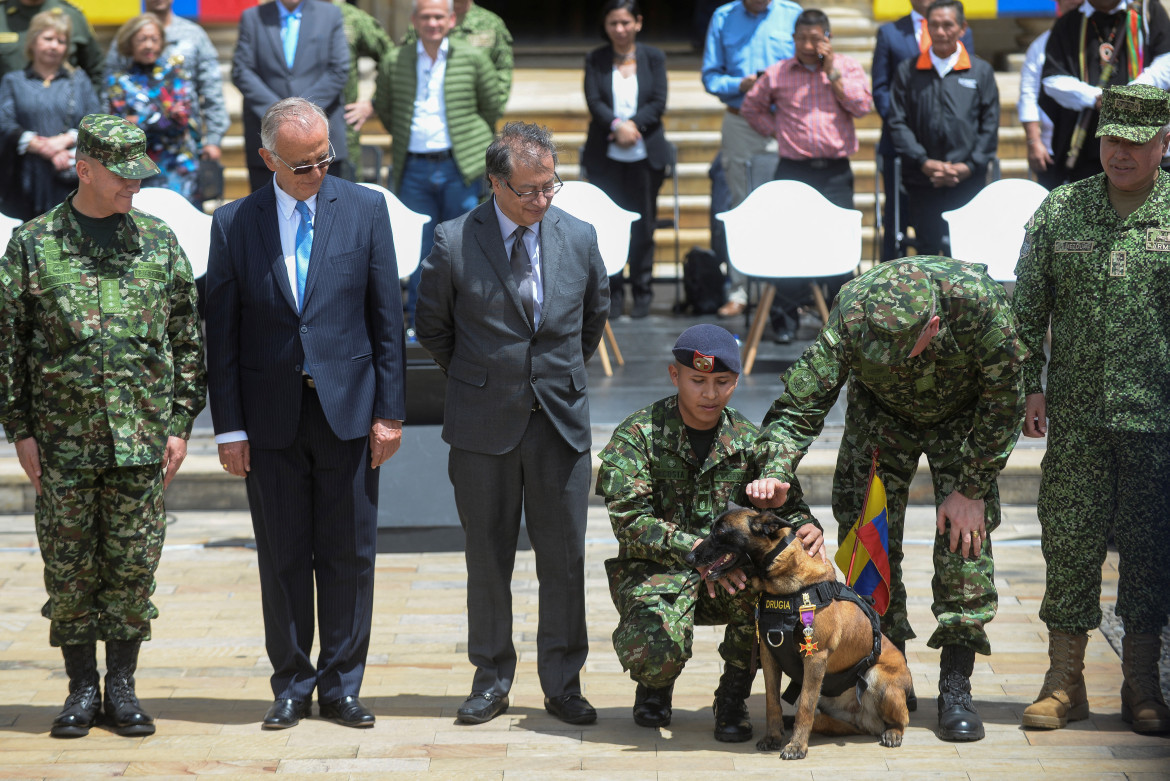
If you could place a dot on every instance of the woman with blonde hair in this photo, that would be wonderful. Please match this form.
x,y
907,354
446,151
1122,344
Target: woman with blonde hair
x,y
157,96
40,108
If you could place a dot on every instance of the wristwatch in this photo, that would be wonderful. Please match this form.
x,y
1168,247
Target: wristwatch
x,y
834,75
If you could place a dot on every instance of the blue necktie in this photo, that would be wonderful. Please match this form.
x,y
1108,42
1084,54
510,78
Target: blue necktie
x,y
304,249
289,35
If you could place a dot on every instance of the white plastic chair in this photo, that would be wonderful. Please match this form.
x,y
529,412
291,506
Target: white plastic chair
x,y
8,226
786,229
192,226
587,202
990,228
407,227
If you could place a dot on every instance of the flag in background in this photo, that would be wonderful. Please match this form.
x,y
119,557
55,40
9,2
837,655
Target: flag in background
x,y
864,556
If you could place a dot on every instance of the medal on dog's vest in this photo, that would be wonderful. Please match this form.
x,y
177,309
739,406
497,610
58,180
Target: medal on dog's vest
x,y
807,612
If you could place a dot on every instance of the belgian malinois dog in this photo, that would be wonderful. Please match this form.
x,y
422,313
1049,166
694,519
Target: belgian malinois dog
x,y
839,638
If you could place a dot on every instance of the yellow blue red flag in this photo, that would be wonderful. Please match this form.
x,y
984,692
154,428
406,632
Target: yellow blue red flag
x,y
864,556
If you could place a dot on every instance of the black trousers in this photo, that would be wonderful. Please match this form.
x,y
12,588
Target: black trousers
x,y
926,206
633,186
834,180
315,515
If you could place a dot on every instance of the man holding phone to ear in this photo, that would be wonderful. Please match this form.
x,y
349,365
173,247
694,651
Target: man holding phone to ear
x,y
808,103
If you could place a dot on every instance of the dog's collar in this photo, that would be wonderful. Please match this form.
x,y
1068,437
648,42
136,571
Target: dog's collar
x,y
772,554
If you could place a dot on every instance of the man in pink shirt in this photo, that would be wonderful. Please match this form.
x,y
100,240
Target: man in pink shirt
x,y
808,103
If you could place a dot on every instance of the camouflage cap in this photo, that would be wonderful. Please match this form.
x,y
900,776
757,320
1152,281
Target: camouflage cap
x,y
898,305
1135,112
708,348
116,144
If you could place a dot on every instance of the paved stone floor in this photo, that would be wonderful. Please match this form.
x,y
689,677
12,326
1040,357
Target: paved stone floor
x,y
205,678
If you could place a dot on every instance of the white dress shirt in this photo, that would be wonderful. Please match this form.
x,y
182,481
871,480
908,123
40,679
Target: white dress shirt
x,y
625,106
1028,107
287,220
532,244
428,124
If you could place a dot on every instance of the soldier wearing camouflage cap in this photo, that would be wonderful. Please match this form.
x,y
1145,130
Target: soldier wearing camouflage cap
x,y
102,377
928,349
668,472
1095,263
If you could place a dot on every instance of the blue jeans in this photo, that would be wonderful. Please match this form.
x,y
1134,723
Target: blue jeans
x,y
434,188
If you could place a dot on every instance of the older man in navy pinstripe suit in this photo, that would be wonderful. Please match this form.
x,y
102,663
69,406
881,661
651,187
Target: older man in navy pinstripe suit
x,y
305,335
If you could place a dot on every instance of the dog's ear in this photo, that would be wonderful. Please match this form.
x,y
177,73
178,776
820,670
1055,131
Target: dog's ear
x,y
732,506
767,524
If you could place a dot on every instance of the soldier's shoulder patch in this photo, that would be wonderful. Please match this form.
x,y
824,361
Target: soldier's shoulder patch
x,y
801,383
831,337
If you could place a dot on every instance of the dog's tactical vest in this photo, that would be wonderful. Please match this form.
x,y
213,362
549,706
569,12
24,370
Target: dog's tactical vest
x,y
779,628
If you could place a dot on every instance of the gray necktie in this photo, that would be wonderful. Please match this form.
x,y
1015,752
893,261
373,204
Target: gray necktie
x,y
522,271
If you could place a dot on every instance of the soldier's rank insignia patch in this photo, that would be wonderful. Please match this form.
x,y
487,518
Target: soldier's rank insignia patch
x,y
1117,263
1073,246
1158,240
801,383
703,363
111,296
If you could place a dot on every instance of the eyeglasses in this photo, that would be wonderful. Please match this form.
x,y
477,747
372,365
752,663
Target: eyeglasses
x,y
301,170
529,196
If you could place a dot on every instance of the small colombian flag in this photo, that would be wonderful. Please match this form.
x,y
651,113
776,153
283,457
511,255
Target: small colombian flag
x,y
864,556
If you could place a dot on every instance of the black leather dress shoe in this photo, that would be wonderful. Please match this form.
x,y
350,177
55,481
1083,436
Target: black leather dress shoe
x,y
571,709
481,707
348,712
286,713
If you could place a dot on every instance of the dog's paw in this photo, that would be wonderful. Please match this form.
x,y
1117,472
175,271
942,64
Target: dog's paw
x,y
793,751
892,738
769,743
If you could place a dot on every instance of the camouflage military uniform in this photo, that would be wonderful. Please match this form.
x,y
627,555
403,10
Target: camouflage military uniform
x,y
484,30
84,51
662,499
101,360
1105,282
366,38
960,402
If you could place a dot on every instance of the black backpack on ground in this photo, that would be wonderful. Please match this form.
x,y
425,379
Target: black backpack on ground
x,y
703,283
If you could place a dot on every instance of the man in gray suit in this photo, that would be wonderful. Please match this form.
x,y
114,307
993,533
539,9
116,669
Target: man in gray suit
x,y
512,303
291,49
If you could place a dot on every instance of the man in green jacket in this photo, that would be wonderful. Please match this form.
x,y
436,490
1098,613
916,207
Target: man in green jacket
x,y
484,30
439,98
666,475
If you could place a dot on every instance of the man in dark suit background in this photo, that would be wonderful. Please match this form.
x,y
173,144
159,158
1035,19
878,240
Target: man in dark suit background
x,y
291,48
897,41
305,356
512,303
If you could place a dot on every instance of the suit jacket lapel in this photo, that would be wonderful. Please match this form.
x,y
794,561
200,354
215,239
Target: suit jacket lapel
x,y
270,236
552,250
605,76
491,243
270,17
322,225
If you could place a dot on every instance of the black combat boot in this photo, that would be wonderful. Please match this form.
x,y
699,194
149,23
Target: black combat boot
x,y
957,719
652,706
121,704
911,697
84,702
730,706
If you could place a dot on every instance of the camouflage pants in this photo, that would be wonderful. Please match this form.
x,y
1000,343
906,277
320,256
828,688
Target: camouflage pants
x,y
658,612
101,533
1093,479
963,589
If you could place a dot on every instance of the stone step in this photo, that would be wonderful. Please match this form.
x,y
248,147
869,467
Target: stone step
x,y
202,484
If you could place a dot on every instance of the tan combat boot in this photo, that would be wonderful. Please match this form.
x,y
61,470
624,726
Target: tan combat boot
x,y
1142,706
1062,698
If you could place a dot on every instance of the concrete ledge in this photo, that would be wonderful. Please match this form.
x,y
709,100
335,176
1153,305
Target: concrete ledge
x,y
203,485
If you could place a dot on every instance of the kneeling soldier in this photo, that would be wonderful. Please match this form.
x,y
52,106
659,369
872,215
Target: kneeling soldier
x,y
668,472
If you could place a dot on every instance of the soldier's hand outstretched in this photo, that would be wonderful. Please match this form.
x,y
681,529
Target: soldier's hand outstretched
x,y
767,493
30,460
966,520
